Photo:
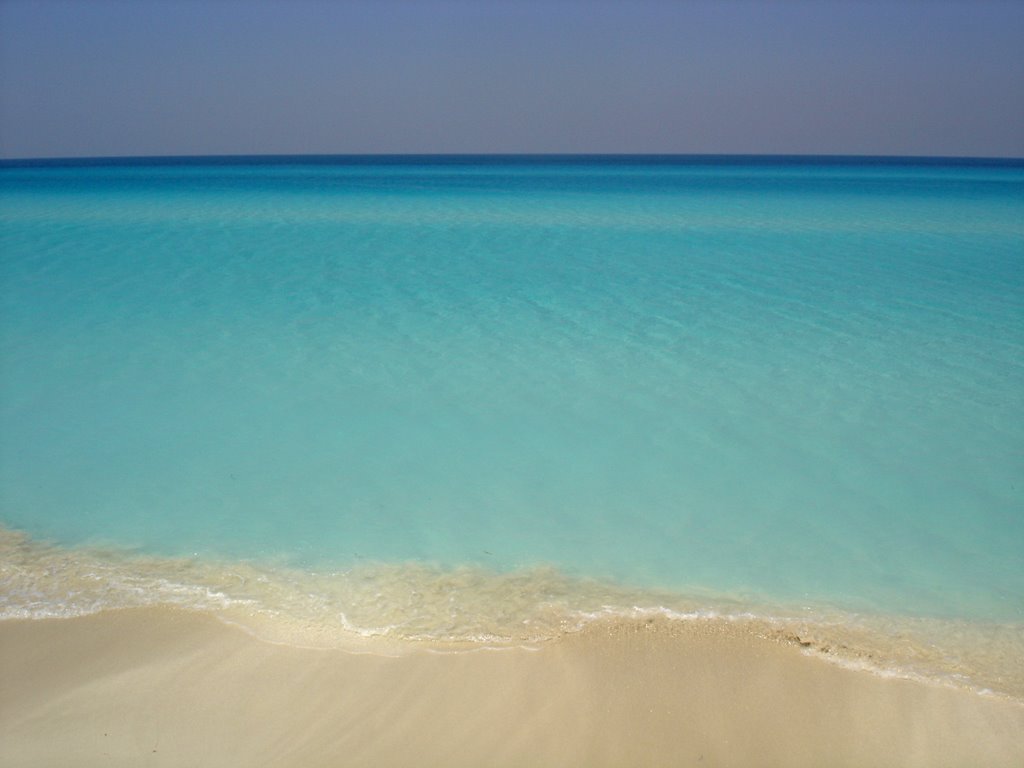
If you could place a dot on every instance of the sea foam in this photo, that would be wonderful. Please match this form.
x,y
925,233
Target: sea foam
x,y
416,605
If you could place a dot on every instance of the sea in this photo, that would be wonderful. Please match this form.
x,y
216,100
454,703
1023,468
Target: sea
x,y
486,400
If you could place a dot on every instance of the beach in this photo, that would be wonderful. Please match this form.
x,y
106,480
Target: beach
x,y
511,384
511,461
154,687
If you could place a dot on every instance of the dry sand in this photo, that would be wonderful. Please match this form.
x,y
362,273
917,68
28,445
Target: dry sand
x,y
156,687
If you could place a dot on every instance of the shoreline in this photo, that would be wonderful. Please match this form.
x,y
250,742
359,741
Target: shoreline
x,y
166,686
406,606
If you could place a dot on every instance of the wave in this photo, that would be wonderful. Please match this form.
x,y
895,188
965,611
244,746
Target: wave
x,y
414,604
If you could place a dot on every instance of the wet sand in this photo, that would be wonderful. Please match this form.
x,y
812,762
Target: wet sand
x,y
156,687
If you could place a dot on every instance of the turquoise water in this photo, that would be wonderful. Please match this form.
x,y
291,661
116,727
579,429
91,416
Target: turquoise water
x,y
783,382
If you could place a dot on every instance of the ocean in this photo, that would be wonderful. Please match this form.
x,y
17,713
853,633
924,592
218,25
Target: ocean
x,y
484,400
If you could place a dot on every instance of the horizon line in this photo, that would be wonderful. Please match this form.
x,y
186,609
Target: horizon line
x,y
369,156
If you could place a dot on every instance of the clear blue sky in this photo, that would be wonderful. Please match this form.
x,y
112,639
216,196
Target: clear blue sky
x,y
131,77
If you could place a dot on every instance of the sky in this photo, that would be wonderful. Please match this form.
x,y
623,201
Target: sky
x,y
195,77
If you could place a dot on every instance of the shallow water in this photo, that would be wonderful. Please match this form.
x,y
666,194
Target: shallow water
x,y
699,385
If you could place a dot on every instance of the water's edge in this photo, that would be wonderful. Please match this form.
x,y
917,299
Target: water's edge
x,y
402,606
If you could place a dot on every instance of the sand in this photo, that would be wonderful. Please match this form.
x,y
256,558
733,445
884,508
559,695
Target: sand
x,y
156,687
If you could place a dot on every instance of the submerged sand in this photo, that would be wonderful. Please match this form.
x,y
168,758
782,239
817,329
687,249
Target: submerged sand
x,y
155,687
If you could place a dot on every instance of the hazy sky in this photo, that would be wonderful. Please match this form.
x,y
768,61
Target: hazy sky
x,y
131,77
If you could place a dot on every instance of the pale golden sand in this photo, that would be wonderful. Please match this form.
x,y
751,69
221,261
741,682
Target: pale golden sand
x,y
155,687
